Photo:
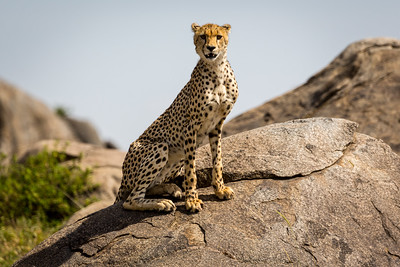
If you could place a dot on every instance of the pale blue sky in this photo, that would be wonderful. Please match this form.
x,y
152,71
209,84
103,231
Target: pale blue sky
x,y
119,64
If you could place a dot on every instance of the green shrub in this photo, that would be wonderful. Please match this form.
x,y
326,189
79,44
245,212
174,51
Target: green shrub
x,y
36,197
62,112
42,187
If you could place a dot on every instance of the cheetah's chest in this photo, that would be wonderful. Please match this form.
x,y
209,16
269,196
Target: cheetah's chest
x,y
215,109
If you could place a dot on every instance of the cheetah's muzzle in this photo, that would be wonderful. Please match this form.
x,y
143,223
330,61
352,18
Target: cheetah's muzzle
x,y
211,56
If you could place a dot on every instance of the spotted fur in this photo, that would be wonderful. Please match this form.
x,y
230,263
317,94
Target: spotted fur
x,y
169,144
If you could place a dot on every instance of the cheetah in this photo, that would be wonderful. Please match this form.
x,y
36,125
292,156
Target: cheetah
x,y
169,144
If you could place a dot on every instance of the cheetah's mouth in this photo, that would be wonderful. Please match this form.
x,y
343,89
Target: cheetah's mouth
x,y
211,56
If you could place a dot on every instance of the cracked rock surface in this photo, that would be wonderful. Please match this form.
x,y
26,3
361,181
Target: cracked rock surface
x,y
362,84
338,206
289,149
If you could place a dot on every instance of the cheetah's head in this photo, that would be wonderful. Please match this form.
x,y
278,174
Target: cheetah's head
x,y
211,41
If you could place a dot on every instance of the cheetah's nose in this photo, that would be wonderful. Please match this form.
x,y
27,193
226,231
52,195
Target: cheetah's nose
x,y
211,48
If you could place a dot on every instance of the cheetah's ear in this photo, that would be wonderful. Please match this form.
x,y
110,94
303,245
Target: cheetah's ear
x,y
227,27
195,27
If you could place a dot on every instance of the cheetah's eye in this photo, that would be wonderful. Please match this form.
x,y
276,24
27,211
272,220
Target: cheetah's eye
x,y
203,36
219,37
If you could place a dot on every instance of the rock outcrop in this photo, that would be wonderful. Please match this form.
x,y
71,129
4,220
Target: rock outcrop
x,y
291,149
308,193
84,131
362,84
25,121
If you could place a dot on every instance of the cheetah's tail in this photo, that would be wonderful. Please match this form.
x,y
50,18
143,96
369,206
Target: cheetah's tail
x,y
122,194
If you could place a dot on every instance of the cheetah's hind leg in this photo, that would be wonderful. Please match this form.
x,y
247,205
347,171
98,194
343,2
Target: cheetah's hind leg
x,y
155,158
170,189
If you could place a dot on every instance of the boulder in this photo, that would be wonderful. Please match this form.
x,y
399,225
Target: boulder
x,y
25,121
84,131
245,156
96,206
296,203
362,84
286,150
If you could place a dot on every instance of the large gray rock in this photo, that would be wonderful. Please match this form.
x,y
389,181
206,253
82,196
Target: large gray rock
x,y
305,146
342,211
362,84
84,131
288,149
25,121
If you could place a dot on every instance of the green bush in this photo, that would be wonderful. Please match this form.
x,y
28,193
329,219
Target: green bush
x,y
62,112
42,187
38,194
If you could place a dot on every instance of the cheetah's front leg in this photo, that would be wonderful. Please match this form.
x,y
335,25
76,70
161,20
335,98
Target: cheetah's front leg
x,y
221,191
193,203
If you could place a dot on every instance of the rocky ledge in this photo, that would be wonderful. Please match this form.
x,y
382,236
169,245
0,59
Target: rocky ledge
x,y
362,84
308,193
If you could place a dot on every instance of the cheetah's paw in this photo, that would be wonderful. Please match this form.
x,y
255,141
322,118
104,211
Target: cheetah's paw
x,y
194,204
177,194
165,205
175,191
150,204
226,193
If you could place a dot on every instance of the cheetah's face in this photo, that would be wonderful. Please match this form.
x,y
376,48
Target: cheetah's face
x,y
211,40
